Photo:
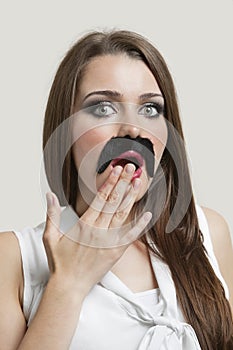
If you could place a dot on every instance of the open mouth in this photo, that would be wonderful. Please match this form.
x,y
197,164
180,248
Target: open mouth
x,y
123,150
130,157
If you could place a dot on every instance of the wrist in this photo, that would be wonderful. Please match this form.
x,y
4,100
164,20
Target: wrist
x,y
64,287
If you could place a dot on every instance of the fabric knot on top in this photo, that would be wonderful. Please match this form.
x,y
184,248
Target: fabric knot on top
x,y
167,335
164,332
137,312
174,325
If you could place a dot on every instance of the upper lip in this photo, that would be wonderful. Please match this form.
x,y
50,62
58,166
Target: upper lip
x,y
139,151
130,155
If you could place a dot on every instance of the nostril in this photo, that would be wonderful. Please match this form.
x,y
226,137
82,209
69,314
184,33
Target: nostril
x,y
129,131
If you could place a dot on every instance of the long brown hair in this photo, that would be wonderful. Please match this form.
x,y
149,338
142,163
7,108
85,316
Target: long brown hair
x,y
199,292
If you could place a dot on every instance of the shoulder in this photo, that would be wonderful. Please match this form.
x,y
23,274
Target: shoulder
x,y
214,218
9,246
12,320
222,245
10,260
219,230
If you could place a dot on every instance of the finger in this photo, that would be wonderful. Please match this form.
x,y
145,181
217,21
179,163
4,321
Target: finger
x,y
134,233
92,213
116,196
125,207
53,217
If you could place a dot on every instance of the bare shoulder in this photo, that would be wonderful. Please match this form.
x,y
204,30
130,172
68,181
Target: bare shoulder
x,y
12,321
10,258
222,244
219,229
8,243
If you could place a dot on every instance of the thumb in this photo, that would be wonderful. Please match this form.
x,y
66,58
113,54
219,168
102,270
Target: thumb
x,y
53,214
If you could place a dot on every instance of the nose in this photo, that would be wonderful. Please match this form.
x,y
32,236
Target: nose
x,y
128,130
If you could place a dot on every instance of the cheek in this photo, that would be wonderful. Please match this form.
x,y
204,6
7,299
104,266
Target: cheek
x,y
88,144
83,145
159,139
159,147
85,151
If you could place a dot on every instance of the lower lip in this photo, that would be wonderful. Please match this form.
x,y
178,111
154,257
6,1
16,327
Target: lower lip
x,y
137,174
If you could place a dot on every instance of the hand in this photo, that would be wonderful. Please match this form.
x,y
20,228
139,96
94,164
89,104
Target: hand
x,y
102,225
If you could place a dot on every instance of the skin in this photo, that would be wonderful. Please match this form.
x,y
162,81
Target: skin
x,y
222,245
130,78
71,262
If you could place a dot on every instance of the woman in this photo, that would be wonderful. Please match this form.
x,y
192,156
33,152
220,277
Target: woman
x,y
137,270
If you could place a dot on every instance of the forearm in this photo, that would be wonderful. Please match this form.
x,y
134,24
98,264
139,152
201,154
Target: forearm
x,y
56,319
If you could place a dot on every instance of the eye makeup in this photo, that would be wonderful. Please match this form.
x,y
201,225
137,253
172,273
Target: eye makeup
x,y
102,108
151,109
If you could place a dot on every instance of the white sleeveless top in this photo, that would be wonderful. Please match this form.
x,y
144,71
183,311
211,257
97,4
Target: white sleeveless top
x,y
112,316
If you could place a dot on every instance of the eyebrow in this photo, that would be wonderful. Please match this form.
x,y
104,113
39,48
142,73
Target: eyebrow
x,y
109,93
149,95
112,93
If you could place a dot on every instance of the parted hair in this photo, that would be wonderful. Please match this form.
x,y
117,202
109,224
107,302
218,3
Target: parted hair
x,y
200,294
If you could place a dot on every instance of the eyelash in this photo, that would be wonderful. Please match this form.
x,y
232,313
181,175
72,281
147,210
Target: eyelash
x,y
92,107
158,106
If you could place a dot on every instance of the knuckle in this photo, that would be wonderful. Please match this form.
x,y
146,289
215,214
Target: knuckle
x,y
52,216
46,237
120,214
50,212
88,217
102,195
102,221
113,197
98,225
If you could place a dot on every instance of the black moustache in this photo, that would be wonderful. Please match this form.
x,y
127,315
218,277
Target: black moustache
x,y
118,145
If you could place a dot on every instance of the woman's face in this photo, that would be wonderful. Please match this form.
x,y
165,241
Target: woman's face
x,y
118,96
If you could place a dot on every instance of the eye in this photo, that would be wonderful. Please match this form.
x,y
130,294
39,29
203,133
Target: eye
x,y
150,110
102,109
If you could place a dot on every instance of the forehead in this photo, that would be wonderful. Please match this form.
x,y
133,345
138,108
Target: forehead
x,y
129,76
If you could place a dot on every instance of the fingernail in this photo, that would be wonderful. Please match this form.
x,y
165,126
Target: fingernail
x,y
129,168
117,170
147,216
49,199
136,183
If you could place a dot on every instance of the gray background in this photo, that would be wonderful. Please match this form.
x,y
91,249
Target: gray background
x,y
195,38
